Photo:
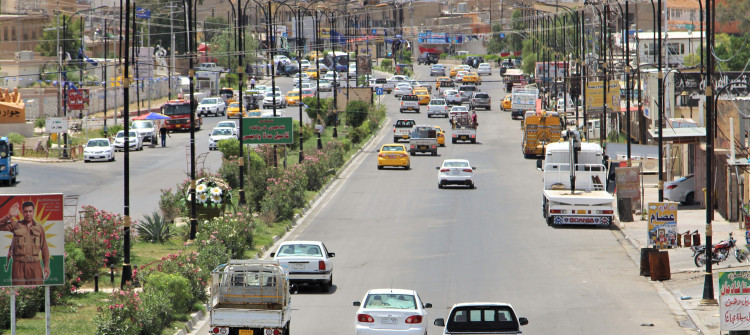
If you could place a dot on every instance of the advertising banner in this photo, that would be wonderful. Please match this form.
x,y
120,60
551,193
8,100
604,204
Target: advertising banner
x,y
734,300
267,130
628,184
594,96
524,98
78,100
662,225
364,64
56,124
33,240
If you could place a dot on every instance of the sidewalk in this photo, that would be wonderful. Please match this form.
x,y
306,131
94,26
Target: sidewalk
x,y
687,280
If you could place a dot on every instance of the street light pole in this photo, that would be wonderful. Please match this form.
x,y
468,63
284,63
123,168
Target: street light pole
x,y
127,270
708,282
661,107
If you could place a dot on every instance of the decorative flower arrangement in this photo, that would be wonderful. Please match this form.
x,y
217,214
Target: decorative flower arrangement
x,y
211,191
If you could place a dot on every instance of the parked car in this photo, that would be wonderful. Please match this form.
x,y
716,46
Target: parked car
x,y
135,141
484,68
480,100
146,130
219,134
456,172
428,58
393,154
437,107
98,149
309,263
391,311
437,70
681,190
213,106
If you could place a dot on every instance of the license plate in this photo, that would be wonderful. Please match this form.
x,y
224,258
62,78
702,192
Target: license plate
x,y
298,266
246,332
423,147
177,126
389,321
411,108
463,137
392,156
405,136
455,172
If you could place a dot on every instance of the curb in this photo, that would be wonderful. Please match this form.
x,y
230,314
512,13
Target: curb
x,y
44,160
195,318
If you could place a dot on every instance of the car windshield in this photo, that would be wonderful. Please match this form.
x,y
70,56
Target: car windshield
x,y
290,250
208,101
293,94
391,301
122,134
222,131
393,148
409,98
307,91
234,105
269,94
459,164
181,109
481,95
143,125
98,143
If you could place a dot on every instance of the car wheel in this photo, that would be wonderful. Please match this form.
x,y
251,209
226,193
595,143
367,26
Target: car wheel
x,y
325,287
689,198
412,153
85,160
408,166
395,140
453,140
471,185
380,167
440,185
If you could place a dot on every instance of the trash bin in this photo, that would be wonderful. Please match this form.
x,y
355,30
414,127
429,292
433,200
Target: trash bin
x,y
625,209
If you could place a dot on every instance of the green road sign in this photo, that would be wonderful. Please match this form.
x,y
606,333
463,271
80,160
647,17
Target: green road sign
x,y
267,130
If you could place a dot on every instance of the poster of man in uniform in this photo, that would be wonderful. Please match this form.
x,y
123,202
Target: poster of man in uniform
x,y
31,240
662,225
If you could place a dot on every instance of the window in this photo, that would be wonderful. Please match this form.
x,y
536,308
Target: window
x,y
391,301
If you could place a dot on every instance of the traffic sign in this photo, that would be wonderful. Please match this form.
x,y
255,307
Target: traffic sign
x,y
379,91
142,13
502,35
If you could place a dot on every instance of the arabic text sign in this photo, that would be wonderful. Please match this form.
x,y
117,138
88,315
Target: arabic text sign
x,y
734,300
267,130
78,99
628,184
48,239
662,224
56,124
594,96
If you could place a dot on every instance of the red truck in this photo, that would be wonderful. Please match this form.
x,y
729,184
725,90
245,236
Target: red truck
x,y
179,112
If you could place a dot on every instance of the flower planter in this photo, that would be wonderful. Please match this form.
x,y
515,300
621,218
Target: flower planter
x,y
209,212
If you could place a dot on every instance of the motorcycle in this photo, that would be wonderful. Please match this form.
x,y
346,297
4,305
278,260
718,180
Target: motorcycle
x,y
720,252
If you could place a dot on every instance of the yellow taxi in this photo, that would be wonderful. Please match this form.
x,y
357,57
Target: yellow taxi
x,y
441,80
472,78
505,105
393,154
313,73
233,110
253,113
455,69
292,98
440,136
423,95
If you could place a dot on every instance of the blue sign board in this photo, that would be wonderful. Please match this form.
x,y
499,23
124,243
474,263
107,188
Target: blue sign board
x,y
502,35
379,91
142,13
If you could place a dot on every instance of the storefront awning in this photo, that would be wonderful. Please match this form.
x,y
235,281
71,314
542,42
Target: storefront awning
x,y
680,135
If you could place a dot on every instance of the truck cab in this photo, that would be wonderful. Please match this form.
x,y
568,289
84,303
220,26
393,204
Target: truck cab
x,y
402,129
423,138
480,318
8,170
179,113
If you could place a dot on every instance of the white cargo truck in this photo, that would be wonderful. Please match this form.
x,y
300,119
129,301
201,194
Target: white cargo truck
x,y
579,195
250,297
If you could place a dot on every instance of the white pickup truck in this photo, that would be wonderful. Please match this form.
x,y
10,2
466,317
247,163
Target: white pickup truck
x,y
402,129
409,102
482,318
250,297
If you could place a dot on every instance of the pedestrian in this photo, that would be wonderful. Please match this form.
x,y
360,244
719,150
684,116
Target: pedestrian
x,y
163,133
474,119
28,248
252,83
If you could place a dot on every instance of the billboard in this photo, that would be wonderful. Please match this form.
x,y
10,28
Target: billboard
x,y
734,300
364,64
546,71
78,99
267,130
524,98
32,240
595,96
662,225
628,184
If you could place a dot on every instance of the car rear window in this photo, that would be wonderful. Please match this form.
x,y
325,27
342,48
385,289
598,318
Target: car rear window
x,y
437,102
405,123
380,81
467,88
482,319
423,132
482,95
410,97
391,301
299,250
393,148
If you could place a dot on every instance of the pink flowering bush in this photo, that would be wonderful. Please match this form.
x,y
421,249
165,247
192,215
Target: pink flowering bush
x,y
185,264
98,236
121,315
233,230
285,192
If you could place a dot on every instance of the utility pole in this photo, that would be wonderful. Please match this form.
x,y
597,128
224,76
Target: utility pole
x,y
171,50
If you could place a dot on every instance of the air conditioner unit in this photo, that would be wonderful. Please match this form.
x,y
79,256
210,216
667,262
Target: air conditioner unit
x,y
25,55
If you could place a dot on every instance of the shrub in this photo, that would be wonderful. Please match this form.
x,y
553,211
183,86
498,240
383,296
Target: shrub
x,y
99,236
316,170
230,171
74,259
29,301
229,147
156,311
174,286
153,228
386,64
316,110
356,135
111,131
234,230
185,264
172,204
356,112
16,138
285,193
120,316
307,132
347,144
211,253
40,122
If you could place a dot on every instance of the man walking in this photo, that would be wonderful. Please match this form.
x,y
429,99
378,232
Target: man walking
x,y
252,83
163,133
28,243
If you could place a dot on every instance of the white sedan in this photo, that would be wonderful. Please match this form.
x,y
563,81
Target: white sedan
x,y
309,262
484,68
219,134
456,172
452,97
228,124
391,311
324,85
135,140
98,149
402,89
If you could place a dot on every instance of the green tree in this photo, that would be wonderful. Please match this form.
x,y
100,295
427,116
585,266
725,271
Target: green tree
x,y
496,44
516,39
223,48
732,52
72,36
734,10
213,26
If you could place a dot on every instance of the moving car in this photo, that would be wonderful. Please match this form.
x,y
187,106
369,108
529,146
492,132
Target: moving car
x,y
312,73
437,70
456,172
681,190
402,129
481,318
274,99
471,78
409,102
466,91
304,75
437,107
440,136
456,68
309,263
393,154
441,80
423,138
98,149
506,104
233,110
459,77
324,85
459,109
146,129
330,76
452,97
423,95
428,58
228,124
480,99
304,64
293,97
213,106
391,311
418,84
219,134
484,68
135,140
402,89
